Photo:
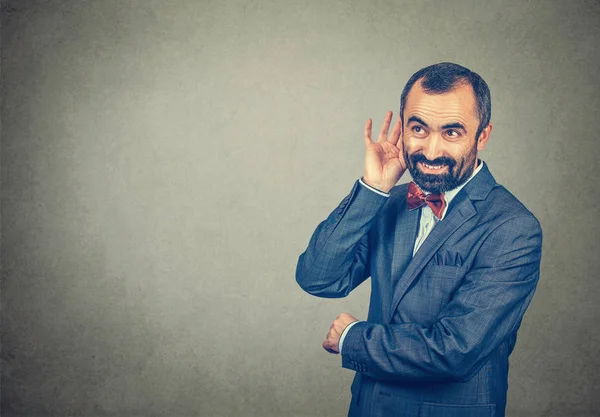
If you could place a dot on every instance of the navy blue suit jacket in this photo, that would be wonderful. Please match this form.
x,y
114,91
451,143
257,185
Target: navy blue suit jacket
x,y
441,324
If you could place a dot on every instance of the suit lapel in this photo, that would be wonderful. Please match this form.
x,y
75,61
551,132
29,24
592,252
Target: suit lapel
x,y
404,241
460,210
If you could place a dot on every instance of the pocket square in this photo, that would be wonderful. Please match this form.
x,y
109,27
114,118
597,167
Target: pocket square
x,y
448,258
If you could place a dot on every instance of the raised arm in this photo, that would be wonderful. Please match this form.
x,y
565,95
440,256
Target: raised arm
x,y
337,256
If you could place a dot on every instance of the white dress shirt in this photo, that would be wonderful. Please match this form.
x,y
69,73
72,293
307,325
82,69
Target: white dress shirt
x,y
426,224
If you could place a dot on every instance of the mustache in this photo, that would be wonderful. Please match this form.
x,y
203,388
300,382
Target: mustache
x,y
442,160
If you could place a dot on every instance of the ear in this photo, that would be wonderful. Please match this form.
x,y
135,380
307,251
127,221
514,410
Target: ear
x,y
483,137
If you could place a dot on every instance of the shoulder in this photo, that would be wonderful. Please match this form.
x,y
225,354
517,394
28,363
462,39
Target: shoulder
x,y
503,208
493,201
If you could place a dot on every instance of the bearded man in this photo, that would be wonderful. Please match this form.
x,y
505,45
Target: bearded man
x,y
453,257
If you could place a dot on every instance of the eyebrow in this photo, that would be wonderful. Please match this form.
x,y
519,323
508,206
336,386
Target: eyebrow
x,y
455,125
417,120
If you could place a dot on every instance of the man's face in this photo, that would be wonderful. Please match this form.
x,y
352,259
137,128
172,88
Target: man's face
x,y
439,131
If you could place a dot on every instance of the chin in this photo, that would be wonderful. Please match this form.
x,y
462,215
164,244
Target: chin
x,y
433,188
434,183
430,183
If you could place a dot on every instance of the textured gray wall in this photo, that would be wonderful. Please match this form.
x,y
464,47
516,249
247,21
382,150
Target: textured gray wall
x,y
164,163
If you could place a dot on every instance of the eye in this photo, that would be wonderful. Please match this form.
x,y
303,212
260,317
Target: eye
x,y
451,133
418,131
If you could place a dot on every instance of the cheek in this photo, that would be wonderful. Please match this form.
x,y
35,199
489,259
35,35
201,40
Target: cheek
x,y
410,144
464,155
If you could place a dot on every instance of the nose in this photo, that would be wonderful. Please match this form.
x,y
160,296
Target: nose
x,y
432,148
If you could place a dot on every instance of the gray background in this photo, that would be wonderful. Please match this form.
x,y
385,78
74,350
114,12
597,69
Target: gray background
x,y
164,163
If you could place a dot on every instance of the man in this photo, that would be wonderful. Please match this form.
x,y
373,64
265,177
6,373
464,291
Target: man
x,y
453,258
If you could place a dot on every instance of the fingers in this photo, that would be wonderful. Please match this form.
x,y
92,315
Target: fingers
x,y
385,127
401,156
332,339
396,131
368,127
331,342
329,348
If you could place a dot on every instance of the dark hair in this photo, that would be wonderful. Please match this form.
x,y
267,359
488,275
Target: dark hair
x,y
443,77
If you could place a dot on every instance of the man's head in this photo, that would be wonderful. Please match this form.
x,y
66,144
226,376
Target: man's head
x,y
445,110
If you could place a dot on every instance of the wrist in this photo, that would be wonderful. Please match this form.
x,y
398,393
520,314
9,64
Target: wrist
x,y
379,187
343,335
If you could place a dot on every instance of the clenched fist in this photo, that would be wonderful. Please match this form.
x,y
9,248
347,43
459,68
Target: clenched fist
x,y
335,331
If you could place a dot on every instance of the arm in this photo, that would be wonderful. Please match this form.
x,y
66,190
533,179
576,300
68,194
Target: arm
x,y
484,311
337,257
336,260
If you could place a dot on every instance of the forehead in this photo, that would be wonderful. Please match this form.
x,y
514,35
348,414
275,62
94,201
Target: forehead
x,y
456,105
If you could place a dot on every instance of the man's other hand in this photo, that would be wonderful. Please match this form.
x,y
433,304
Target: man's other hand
x,y
384,159
335,331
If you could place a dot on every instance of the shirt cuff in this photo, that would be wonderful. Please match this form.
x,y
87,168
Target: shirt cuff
x,y
375,190
343,336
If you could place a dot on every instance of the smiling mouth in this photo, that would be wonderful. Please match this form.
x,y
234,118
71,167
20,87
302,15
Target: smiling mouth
x,y
432,167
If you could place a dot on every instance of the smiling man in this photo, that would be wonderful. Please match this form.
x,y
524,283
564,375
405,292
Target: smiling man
x,y
453,257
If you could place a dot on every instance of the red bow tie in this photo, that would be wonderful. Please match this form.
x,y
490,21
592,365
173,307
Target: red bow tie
x,y
417,198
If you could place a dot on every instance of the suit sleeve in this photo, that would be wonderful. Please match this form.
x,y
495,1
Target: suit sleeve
x,y
486,309
337,257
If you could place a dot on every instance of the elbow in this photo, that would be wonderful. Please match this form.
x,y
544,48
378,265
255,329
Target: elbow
x,y
321,282
320,287
461,375
303,278
455,357
463,369
304,283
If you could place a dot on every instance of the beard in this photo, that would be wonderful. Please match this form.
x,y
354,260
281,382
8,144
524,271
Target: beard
x,y
458,171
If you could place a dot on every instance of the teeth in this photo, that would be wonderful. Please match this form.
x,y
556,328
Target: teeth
x,y
432,166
